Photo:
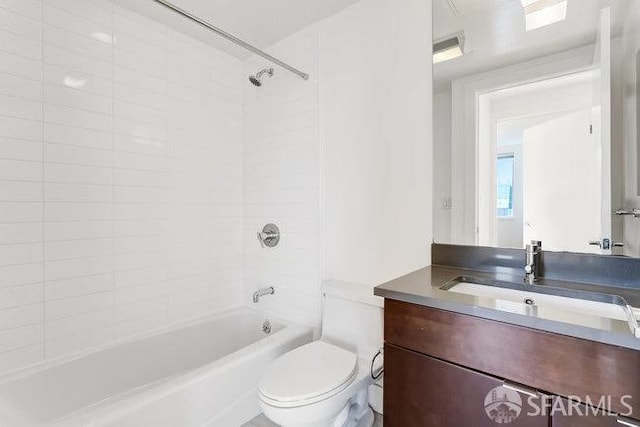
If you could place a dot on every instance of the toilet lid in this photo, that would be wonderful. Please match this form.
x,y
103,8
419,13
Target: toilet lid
x,y
307,372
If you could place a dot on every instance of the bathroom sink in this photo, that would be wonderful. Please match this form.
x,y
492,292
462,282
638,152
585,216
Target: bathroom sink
x,y
549,302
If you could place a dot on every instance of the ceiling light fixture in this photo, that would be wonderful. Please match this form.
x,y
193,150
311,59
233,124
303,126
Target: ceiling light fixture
x,y
540,13
447,49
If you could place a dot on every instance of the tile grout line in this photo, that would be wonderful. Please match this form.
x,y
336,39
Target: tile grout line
x,y
44,153
112,12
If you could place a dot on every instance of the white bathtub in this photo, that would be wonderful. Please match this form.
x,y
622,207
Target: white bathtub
x,y
201,374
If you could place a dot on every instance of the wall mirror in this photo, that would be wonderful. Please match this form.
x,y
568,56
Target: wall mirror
x,y
536,117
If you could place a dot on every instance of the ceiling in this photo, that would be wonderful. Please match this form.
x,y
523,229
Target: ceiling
x,y
258,22
496,37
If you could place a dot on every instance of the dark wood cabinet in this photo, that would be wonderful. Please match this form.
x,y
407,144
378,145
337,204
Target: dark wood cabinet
x,y
421,391
579,415
440,367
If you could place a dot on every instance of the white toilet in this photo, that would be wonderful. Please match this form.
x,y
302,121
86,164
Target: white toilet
x,y
325,383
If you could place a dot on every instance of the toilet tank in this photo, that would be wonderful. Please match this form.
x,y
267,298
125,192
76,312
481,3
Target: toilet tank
x,y
352,317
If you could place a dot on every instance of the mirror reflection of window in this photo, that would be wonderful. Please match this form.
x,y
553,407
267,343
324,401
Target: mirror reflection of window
x,y
505,179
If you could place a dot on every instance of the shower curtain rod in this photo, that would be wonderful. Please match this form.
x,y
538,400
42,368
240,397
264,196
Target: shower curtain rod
x,y
232,38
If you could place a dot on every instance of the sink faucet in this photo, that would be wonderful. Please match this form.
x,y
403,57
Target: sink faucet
x,y
262,292
532,262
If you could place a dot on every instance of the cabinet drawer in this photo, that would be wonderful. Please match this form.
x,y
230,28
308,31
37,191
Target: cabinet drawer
x,y
420,391
579,415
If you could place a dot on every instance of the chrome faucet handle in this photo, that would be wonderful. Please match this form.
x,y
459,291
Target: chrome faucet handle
x,y
269,236
634,212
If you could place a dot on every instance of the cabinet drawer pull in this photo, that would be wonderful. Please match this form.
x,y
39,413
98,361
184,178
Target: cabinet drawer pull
x,y
522,389
627,422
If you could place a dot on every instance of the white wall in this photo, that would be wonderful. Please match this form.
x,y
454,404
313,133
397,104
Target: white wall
x,y
376,140
282,181
119,198
442,167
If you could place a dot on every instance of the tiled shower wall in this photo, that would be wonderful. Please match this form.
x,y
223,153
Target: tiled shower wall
x,y
120,178
282,181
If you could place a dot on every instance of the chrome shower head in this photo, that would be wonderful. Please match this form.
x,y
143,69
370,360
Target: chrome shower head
x,y
256,78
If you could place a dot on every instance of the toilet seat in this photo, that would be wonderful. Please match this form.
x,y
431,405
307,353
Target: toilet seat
x,y
307,375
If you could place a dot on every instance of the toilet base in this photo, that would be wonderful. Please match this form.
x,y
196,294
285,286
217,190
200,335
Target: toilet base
x,y
356,413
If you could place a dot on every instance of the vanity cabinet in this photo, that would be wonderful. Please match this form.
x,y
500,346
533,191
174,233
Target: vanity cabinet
x,y
440,366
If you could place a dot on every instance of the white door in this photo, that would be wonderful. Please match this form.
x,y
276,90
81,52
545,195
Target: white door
x,y
602,126
560,154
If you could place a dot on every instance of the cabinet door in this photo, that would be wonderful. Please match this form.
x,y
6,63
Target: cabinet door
x,y
582,416
420,391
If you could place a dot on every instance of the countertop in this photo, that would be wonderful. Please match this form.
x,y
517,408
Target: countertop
x,y
422,287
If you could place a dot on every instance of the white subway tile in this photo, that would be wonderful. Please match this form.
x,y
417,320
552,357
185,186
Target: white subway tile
x,y
146,291
77,117
141,309
146,51
133,94
66,76
20,45
20,24
98,11
69,97
77,43
77,286
17,65
142,27
140,129
74,306
18,86
76,61
72,20
140,261
65,269
134,161
88,138
142,276
78,155
20,108
19,212
68,212
55,231
72,174
18,191
29,8
70,249
139,113
18,296
17,338
20,316
139,79
129,58
20,170
20,233
20,149
77,193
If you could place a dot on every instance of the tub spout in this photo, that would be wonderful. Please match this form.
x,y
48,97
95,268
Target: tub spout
x,y
262,292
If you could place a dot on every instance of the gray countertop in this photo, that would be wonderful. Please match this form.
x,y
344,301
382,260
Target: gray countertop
x,y
422,287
